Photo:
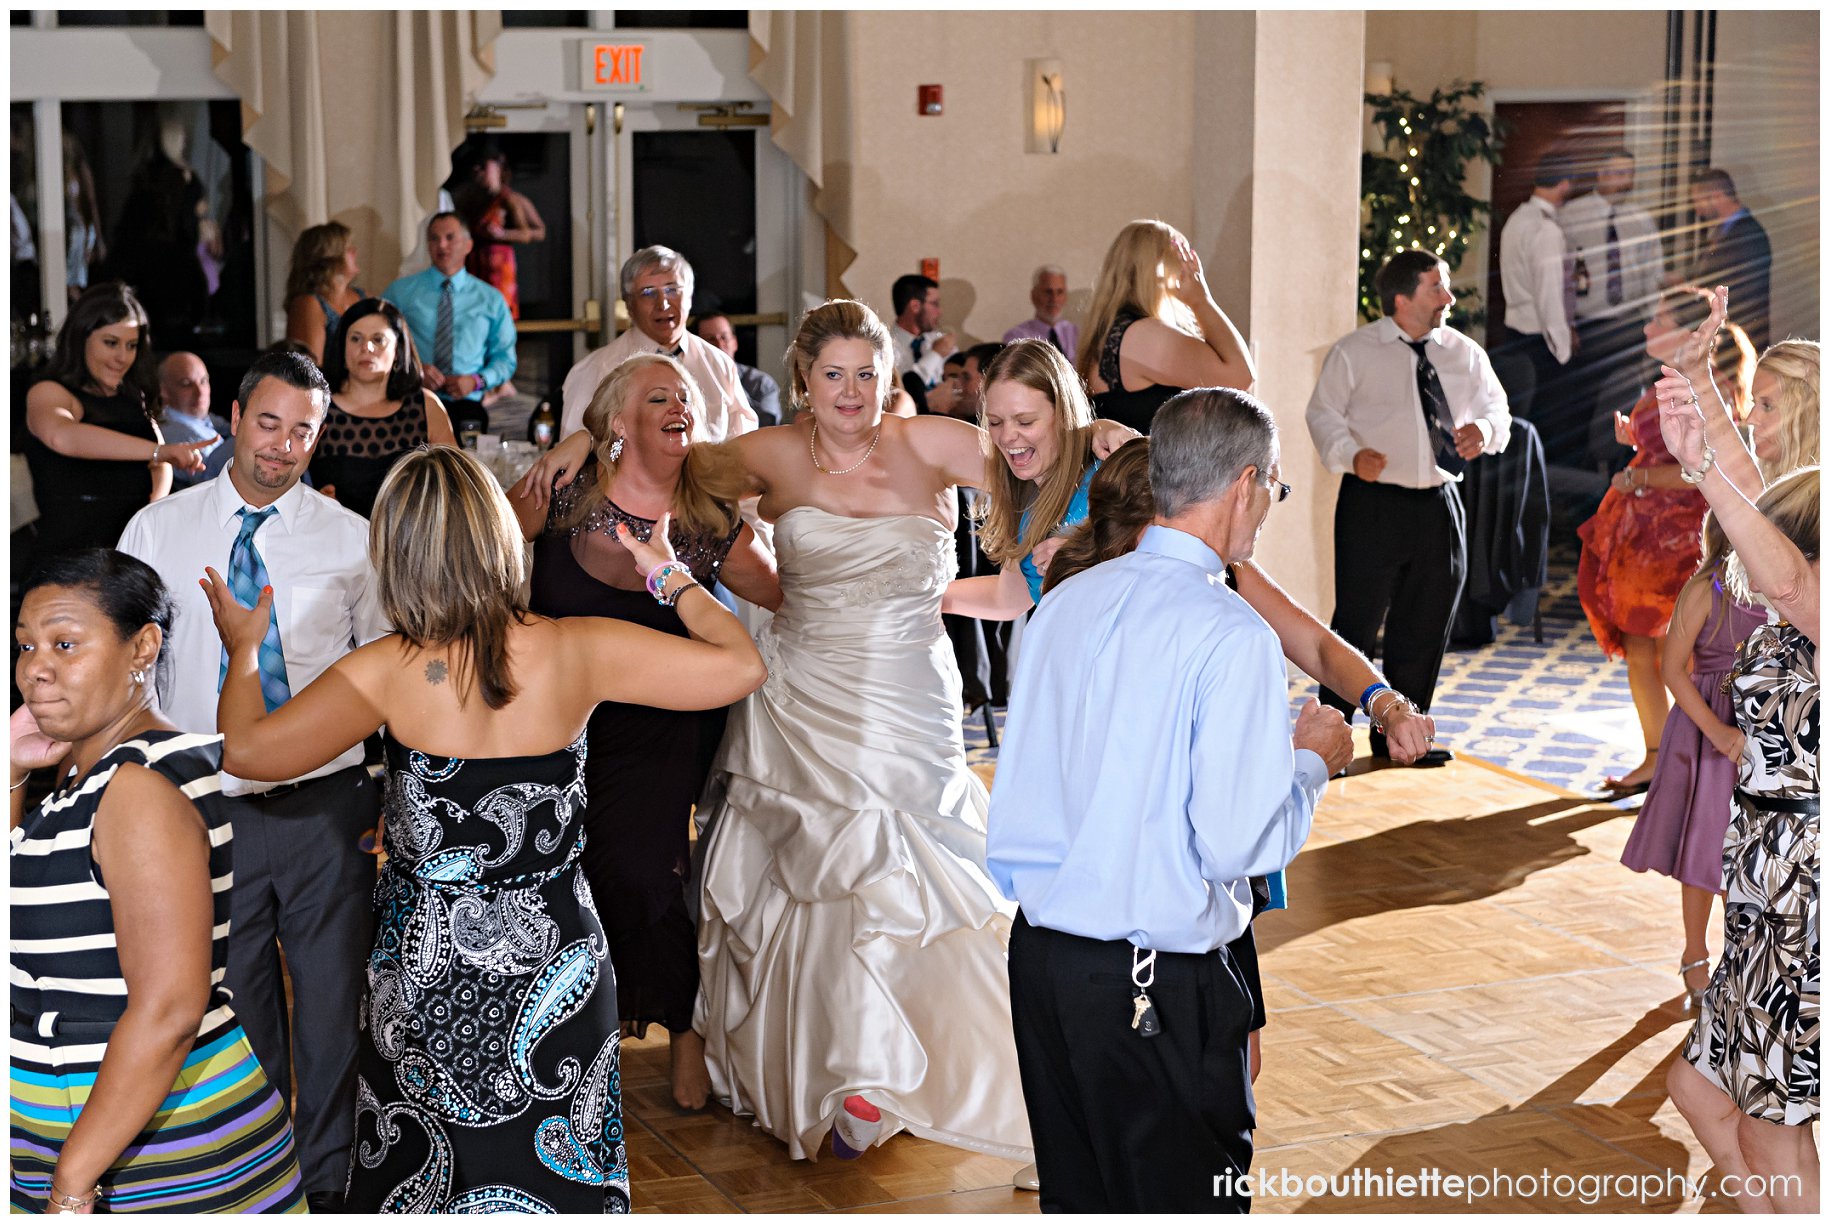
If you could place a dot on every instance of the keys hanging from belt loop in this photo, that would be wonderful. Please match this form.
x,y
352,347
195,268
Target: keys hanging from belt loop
x,y
1144,1019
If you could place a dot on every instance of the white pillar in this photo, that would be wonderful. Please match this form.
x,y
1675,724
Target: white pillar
x,y
1278,123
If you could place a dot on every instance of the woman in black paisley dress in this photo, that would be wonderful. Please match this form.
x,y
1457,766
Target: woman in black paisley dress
x,y
646,766
1748,1083
488,1071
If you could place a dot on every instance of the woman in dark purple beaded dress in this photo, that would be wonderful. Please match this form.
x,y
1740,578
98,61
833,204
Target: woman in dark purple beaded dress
x,y
646,766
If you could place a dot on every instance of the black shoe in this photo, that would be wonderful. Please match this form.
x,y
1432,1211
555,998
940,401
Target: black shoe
x,y
325,1202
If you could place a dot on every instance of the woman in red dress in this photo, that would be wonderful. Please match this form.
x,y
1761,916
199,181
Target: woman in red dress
x,y
498,217
1644,542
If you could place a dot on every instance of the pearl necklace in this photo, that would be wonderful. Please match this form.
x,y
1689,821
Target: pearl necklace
x,y
813,440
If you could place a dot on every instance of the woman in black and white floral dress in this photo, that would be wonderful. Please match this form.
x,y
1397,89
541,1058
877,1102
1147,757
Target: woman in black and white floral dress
x,y
1748,1083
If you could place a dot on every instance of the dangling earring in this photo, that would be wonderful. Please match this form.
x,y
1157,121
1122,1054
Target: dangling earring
x,y
137,676
616,448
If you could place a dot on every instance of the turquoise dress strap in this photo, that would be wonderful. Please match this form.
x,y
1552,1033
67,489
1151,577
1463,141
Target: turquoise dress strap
x,y
1076,515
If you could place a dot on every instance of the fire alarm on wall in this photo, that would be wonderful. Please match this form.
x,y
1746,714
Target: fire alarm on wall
x,y
927,99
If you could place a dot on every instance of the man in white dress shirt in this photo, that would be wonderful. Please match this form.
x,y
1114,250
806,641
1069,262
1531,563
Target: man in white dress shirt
x,y
301,878
1538,279
657,286
921,347
1618,271
1400,409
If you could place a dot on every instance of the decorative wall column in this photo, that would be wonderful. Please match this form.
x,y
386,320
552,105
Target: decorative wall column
x,y
1277,122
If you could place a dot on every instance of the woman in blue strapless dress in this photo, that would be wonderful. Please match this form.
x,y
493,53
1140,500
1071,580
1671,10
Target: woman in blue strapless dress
x,y
488,1070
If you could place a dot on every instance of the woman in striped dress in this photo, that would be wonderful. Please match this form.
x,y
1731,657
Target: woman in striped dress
x,y
132,1082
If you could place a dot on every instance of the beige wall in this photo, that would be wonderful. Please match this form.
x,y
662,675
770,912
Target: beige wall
x,y
960,188
1237,128
1766,119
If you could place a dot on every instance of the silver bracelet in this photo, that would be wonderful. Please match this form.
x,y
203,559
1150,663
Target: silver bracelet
x,y
1696,477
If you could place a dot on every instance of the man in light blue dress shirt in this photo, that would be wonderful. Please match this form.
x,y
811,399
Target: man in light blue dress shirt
x,y
474,352
1148,771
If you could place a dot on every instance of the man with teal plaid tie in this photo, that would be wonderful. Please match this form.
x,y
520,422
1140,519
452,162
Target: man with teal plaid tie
x,y
301,879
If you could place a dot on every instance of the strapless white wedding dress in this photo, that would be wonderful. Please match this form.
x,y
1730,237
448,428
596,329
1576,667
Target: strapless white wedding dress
x,y
851,940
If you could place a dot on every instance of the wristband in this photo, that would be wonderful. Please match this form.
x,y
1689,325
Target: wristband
x,y
1372,690
657,582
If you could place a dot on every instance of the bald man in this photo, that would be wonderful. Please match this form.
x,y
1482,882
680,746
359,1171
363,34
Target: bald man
x,y
184,393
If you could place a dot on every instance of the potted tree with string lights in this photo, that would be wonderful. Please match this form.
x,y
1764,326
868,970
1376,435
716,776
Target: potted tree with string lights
x,y
1413,192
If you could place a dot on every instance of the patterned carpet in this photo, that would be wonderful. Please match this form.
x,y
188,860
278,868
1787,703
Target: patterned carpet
x,y
1558,711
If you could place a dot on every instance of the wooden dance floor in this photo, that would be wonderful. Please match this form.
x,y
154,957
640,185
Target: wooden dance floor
x,y
1467,980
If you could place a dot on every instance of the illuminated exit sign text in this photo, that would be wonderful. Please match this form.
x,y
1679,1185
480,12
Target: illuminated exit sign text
x,y
613,66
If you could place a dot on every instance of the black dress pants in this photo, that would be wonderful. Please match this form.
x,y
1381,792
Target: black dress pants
x,y
1558,409
1123,1122
302,881
1400,556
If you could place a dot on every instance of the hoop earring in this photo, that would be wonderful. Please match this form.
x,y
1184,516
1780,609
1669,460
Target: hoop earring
x,y
616,448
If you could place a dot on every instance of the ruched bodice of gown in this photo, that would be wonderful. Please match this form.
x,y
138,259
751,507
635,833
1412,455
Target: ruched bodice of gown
x,y
851,940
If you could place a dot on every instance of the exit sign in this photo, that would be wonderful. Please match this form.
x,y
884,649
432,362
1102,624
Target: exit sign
x,y
613,66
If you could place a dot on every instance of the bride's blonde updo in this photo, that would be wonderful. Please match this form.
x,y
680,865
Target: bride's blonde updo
x,y
840,319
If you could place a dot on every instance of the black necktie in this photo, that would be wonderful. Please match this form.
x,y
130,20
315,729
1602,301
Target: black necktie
x,y
1617,289
915,348
1054,338
1437,422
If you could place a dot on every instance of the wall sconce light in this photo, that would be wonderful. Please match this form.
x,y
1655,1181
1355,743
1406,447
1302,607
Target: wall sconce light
x,y
1047,107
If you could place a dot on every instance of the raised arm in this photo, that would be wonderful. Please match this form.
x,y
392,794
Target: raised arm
x,y
154,850
1775,566
718,665
1693,362
1169,357
327,718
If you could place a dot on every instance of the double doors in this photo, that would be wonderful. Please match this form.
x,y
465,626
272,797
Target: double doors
x,y
610,177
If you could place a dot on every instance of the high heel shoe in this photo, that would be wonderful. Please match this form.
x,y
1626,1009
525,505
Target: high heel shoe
x,y
1621,787
1693,998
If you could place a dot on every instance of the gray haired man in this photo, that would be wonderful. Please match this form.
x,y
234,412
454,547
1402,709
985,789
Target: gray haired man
x,y
657,285
1149,770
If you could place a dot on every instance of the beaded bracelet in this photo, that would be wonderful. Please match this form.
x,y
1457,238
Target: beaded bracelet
x,y
657,582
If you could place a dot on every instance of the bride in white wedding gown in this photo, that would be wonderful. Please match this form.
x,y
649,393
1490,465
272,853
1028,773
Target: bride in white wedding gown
x,y
851,944
853,973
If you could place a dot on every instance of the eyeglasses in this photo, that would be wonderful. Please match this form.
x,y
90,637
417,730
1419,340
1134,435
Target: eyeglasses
x,y
1281,490
655,293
